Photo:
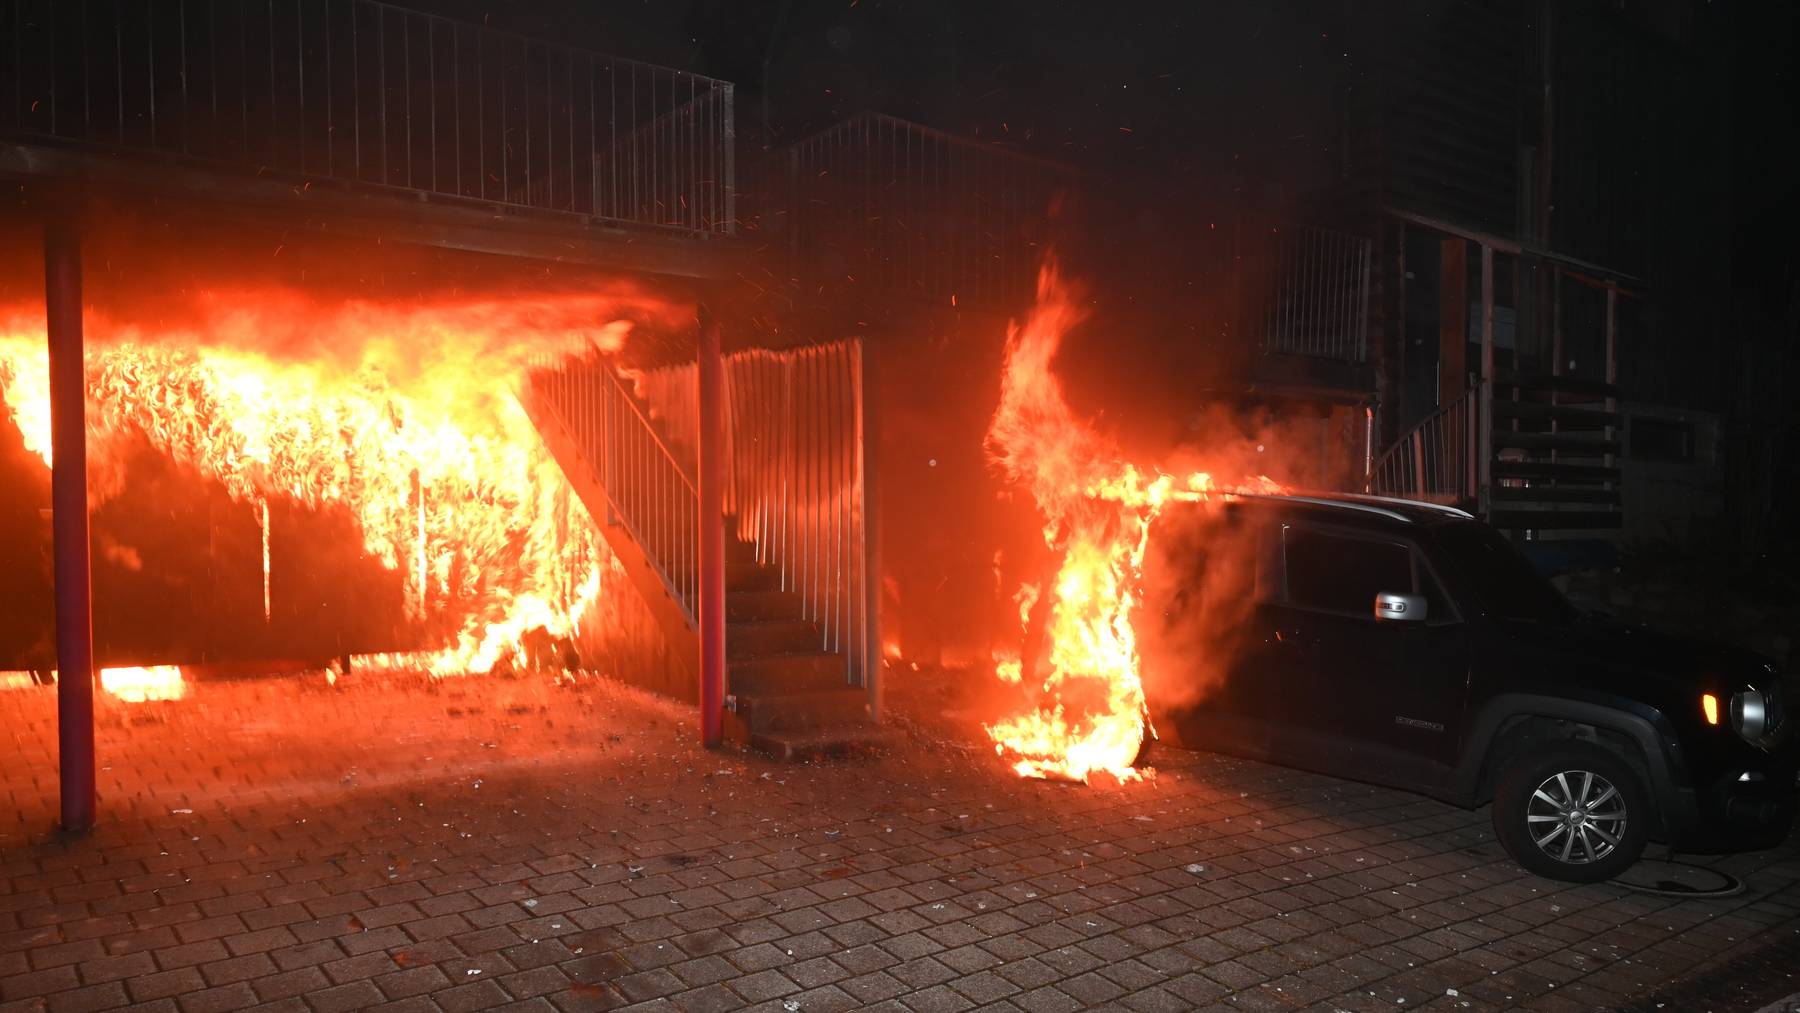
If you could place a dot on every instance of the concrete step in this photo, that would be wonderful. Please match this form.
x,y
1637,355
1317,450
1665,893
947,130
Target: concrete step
x,y
751,577
840,740
794,713
787,673
738,553
754,606
778,636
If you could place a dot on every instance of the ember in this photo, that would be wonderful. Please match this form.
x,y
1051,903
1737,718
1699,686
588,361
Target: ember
x,y
1098,510
404,416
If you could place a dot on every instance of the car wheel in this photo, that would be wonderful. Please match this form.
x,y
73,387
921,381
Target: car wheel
x,y
1572,812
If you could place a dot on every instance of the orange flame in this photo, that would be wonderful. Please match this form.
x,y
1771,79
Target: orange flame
x,y
139,685
132,685
405,416
1098,510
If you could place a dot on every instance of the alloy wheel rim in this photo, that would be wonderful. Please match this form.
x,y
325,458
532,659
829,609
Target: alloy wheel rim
x,y
1576,817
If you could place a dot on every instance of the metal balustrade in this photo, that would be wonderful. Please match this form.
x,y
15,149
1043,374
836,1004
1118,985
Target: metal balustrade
x,y
1436,459
796,486
361,92
913,211
649,486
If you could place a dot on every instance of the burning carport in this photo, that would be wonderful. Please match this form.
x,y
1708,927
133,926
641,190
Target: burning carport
x,y
508,199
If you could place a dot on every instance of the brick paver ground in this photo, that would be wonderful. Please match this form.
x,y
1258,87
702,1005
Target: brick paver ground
x,y
514,844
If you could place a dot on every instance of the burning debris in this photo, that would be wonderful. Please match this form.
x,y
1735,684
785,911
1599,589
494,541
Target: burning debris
x,y
143,684
136,684
1090,714
402,417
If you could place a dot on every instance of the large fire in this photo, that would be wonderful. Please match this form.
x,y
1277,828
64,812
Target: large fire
x,y
1098,510
405,416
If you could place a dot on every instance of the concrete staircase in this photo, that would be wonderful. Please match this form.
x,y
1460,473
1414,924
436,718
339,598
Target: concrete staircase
x,y
787,692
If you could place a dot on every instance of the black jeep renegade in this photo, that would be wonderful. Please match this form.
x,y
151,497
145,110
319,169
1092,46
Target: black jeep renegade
x,y
1410,645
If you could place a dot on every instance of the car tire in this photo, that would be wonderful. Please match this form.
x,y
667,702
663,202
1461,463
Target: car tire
x,y
1572,812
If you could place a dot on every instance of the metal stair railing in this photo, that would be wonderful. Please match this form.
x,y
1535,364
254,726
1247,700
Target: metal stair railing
x,y
796,432
649,489
1435,460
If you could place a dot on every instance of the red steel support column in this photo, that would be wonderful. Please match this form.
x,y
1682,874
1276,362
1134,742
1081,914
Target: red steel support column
x,y
713,469
68,500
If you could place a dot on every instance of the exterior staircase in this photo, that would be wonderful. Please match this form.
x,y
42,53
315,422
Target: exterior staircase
x,y
789,679
787,693
1556,450
1534,453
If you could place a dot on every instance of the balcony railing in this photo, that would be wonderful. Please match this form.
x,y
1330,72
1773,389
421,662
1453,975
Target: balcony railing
x,y
913,211
364,93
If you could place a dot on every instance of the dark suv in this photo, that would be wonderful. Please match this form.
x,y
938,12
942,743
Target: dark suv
x,y
1411,645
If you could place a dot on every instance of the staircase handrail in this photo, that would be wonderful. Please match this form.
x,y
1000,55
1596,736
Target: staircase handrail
x,y
648,488
1435,459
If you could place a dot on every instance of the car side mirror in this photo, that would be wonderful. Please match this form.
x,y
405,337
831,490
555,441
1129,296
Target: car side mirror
x,y
1392,606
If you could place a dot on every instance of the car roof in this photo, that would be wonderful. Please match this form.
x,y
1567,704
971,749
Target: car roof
x,y
1348,506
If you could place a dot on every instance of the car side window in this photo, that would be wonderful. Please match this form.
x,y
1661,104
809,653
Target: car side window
x,y
1333,573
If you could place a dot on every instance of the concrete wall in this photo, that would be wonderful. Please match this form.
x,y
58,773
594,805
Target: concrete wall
x,y
620,638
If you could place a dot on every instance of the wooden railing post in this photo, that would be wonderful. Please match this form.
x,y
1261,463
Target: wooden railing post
x,y
1418,456
713,469
1484,408
1470,421
1368,449
1612,363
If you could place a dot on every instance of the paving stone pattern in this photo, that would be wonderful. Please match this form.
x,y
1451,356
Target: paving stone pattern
x,y
523,845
